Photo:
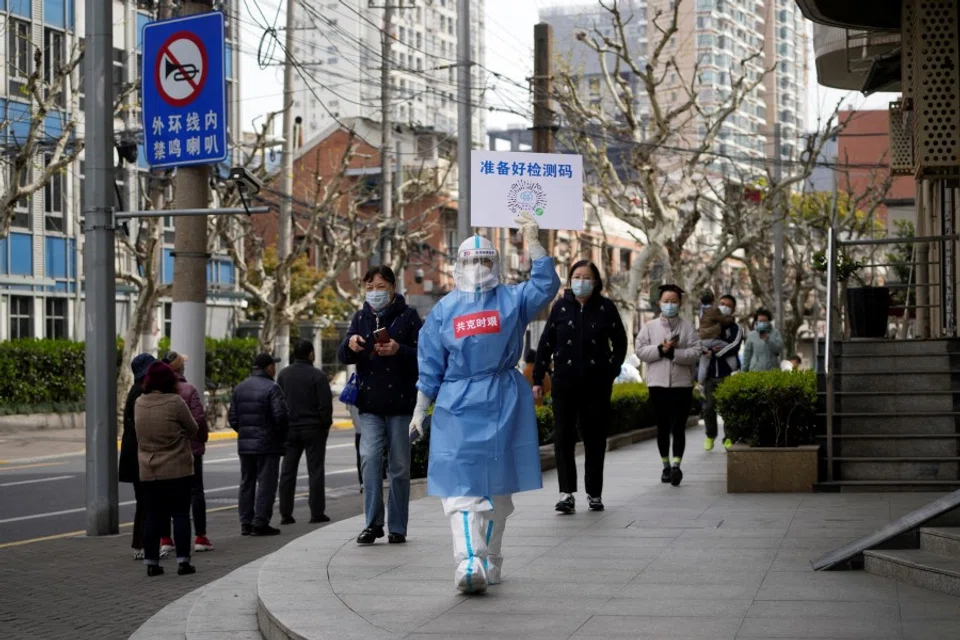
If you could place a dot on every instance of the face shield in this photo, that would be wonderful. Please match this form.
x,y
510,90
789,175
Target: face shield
x,y
478,266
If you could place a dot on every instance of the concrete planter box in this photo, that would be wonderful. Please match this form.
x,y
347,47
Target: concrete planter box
x,y
771,469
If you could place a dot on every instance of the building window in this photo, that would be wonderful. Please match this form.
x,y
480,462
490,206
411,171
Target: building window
x,y
53,192
21,209
18,54
53,63
167,319
56,319
21,312
118,60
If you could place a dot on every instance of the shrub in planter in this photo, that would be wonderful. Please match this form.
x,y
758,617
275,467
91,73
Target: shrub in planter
x,y
39,373
769,408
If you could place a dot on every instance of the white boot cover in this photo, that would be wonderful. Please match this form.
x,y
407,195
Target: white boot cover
x,y
495,525
468,525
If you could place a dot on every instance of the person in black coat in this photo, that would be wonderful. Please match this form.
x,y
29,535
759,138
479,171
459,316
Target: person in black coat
x,y
382,343
310,403
129,467
258,413
585,339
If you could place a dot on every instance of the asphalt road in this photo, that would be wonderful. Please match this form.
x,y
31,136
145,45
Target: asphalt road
x,y
47,498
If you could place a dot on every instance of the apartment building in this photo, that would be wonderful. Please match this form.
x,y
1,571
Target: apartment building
x,y
338,44
41,260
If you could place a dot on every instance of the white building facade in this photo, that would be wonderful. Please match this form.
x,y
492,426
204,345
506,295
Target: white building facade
x,y
338,44
41,260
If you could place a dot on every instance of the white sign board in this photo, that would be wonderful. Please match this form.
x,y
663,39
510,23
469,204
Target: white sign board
x,y
548,185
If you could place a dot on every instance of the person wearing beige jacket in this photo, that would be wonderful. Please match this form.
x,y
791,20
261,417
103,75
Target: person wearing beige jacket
x,y
670,347
165,427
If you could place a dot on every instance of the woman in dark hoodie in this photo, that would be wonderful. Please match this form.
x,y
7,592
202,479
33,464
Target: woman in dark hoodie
x,y
382,343
129,467
585,339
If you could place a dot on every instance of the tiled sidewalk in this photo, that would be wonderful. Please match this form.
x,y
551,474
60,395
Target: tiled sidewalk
x,y
661,562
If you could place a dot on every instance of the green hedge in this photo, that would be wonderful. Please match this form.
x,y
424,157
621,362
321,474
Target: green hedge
x,y
229,361
769,408
37,374
629,410
47,376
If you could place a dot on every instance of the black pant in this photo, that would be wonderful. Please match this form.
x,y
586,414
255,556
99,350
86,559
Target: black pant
x,y
166,499
709,410
197,498
590,406
258,488
313,440
139,516
671,406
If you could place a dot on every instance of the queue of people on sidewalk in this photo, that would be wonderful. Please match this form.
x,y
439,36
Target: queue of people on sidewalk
x,y
454,364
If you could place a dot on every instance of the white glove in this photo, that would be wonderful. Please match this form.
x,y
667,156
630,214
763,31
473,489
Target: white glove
x,y
530,231
419,414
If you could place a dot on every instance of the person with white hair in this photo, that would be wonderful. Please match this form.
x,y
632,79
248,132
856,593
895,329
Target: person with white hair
x,y
483,435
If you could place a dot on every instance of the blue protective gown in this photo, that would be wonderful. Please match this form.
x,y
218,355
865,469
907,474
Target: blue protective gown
x,y
483,435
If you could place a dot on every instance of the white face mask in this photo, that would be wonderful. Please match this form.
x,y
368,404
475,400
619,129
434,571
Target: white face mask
x,y
725,310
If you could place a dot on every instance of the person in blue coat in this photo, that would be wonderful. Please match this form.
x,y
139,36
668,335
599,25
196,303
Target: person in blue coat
x,y
483,434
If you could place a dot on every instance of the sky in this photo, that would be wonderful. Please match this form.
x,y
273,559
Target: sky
x,y
509,52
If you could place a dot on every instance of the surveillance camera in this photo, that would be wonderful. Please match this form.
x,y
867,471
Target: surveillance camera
x,y
245,181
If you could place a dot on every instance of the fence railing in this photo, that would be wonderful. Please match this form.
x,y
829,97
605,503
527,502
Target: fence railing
x,y
928,306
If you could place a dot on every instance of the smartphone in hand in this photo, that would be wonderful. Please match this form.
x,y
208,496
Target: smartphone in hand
x,y
381,336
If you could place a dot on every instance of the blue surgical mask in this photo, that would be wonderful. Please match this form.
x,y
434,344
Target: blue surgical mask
x,y
669,309
582,288
763,327
378,300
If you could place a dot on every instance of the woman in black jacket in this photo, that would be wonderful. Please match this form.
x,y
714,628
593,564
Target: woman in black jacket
x,y
128,470
382,343
586,341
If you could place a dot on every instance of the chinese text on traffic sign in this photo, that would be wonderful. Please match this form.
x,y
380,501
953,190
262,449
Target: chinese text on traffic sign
x,y
184,91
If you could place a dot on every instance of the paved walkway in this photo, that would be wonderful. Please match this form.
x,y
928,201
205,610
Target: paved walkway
x,y
89,588
661,562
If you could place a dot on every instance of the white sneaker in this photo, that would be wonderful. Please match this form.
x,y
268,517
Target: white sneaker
x,y
137,554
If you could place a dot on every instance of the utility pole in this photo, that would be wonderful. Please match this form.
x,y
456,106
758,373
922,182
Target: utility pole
x,y
464,118
99,270
284,240
778,216
386,134
543,124
191,191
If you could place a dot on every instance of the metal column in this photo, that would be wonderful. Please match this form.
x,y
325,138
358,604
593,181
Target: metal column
x,y
100,273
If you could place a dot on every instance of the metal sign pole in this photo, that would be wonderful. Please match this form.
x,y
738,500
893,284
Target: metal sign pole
x,y
103,514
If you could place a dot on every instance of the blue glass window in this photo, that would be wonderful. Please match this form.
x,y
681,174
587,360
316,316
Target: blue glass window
x,y
56,257
3,250
21,8
228,60
142,21
55,12
21,254
168,265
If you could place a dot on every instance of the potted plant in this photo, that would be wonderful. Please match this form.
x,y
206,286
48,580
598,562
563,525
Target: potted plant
x,y
770,415
868,306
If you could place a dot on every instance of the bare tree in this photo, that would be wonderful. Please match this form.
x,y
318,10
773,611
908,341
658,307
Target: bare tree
x,y
36,156
809,216
653,151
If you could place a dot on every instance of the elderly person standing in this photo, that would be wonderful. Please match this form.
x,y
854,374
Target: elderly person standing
x,y
258,413
671,348
129,468
192,397
764,344
165,428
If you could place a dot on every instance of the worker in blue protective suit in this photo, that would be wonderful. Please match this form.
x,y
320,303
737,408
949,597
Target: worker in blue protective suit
x,y
483,434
